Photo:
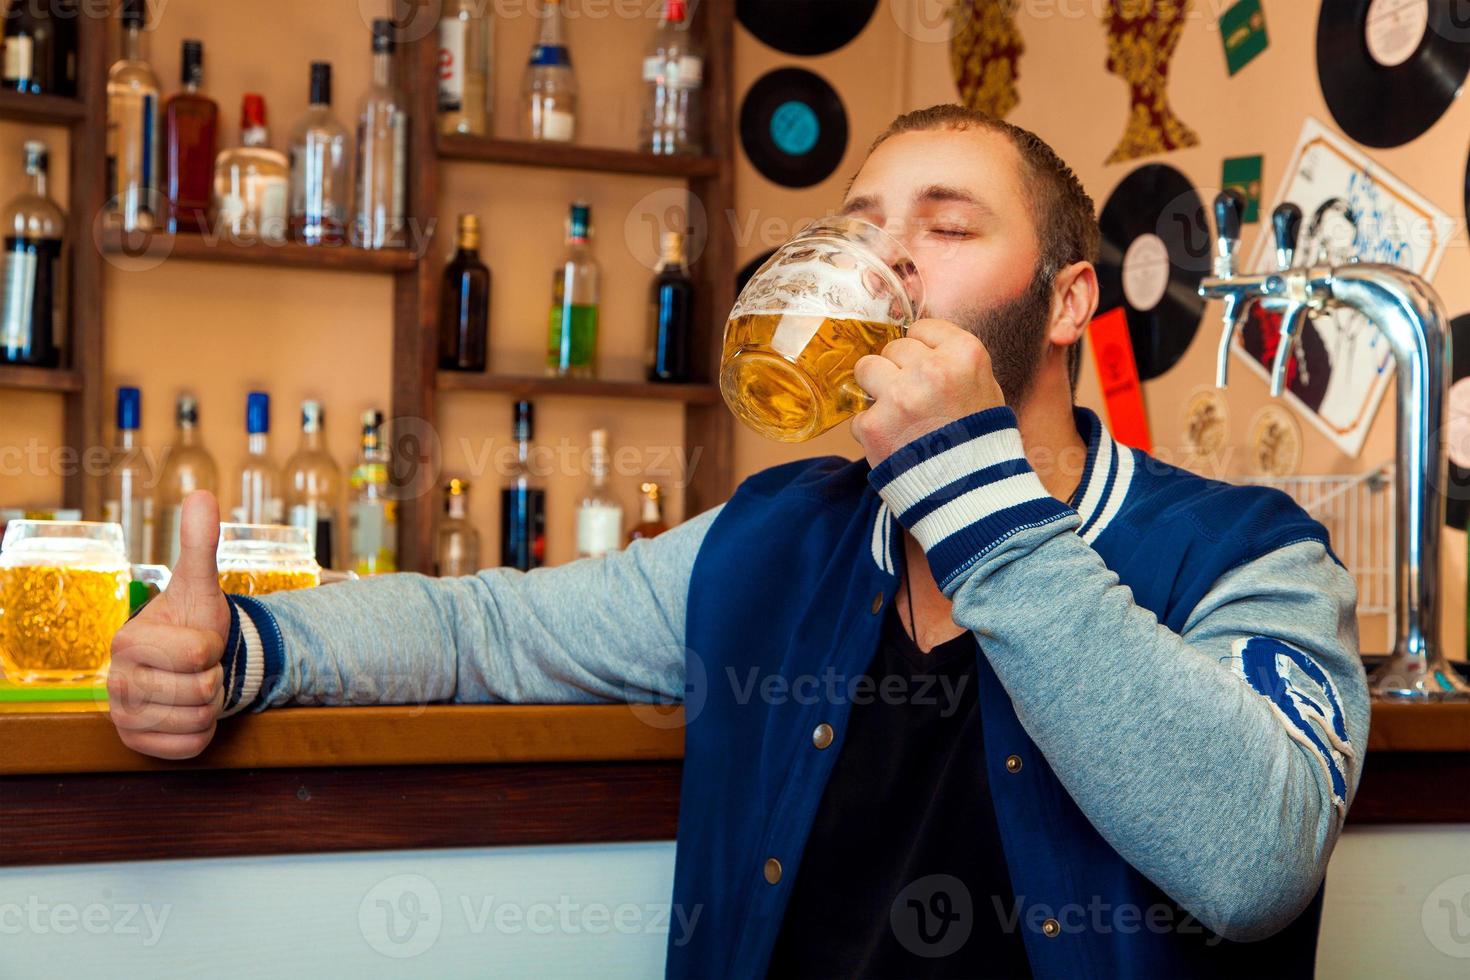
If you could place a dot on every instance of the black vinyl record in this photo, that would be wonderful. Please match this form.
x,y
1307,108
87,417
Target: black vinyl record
x,y
1457,434
1387,81
805,27
1156,247
793,127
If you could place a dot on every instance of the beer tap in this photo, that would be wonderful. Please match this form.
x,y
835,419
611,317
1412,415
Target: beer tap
x,y
1412,319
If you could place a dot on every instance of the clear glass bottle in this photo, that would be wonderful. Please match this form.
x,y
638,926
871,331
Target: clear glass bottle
x,y
549,86
134,167
33,301
670,315
673,75
191,141
189,467
571,346
126,499
382,152
41,48
651,525
252,182
523,502
374,516
319,167
314,487
457,548
464,307
466,56
599,517
260,480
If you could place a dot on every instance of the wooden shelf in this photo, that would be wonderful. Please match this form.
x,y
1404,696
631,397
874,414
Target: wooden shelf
x,y
572,157
159,248
39,379
526,384
49,110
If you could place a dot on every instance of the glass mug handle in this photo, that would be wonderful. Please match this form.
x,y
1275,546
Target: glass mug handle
x,y
332,576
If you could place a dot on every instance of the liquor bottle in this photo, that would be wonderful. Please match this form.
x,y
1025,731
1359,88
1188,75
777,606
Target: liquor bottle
x,y
549,87
670,314
373,516
457,550
134,170
252,182
33,303
191,141
599,518
41,48
319,162
523,503
466,54
571,347
652,523
314,487
126,500
673,72
464,309
382,152
189,467
260,481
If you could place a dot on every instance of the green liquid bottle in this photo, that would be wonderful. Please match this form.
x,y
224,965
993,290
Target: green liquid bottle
x,y
571,343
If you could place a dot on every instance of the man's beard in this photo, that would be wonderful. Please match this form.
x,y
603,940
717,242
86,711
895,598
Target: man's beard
x,y
1014,333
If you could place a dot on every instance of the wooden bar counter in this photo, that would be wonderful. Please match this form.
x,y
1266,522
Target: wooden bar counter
x,y
300,780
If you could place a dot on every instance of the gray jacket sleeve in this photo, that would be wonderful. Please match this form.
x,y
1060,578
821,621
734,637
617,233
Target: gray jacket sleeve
x,y
1219,761
603,629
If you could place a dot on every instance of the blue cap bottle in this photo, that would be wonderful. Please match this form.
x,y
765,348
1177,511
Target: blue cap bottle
x,y
258,413
129,409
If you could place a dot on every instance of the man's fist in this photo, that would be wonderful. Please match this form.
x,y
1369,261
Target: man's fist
x,y
935,374
164,689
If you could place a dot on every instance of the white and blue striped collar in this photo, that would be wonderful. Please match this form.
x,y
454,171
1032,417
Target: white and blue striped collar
x,y
1107,476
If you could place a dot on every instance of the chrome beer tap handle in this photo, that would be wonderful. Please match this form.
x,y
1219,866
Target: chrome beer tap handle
x,y
1229,209
1286,223
1286,226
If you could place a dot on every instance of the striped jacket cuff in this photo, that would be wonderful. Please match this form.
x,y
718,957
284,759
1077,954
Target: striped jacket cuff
x,y
963,489
254,653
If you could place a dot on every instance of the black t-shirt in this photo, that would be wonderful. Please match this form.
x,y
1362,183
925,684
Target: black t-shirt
x,y
903,875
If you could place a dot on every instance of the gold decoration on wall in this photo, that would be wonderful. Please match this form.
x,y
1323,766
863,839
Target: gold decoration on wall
x,y
985,53
1206,422
1142,36
1276,442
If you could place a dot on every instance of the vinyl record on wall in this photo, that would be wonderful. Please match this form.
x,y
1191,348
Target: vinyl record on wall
x,y
1156,247
793,127
805,27
1390,68
1457,429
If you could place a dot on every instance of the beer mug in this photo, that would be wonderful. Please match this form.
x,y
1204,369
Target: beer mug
x,y
63,595
840,289
258,559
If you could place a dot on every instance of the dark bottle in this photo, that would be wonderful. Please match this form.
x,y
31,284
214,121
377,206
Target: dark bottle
x,y
32,303
41,47
191,142
464,310
670,314
523,504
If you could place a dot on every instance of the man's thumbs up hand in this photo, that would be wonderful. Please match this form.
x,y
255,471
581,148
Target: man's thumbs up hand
x,y
165,687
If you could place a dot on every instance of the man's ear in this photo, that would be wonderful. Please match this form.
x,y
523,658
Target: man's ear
x,y
1074,301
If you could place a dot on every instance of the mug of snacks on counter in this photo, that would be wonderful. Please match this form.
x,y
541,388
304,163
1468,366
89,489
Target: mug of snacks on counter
x,y
257,559
64,591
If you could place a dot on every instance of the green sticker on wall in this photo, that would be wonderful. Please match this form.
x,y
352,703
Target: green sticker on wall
x,y
1243,30
1244,174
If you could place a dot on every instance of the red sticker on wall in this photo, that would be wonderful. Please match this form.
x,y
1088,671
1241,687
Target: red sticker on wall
x,y
1117,375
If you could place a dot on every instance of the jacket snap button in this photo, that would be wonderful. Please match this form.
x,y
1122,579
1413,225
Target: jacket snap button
x,y
1051,928
773,871
1013,763
822,735
877,603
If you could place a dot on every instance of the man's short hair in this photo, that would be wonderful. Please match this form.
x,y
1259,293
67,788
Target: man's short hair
x,y
1065,216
